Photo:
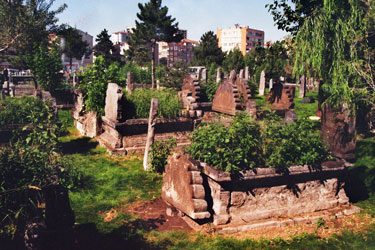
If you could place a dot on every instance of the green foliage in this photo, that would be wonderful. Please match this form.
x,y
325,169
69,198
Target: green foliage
x,y
208,91
233,61
291,18
94,82
298,143
140,75
104,47
19,110
154,24
172,77
140,99
24,24
231,148
246,145
74,45
46,67
333,44
29,164
160,150
208,51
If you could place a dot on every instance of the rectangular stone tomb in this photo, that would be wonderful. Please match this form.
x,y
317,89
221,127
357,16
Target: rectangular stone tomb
x,y
254,195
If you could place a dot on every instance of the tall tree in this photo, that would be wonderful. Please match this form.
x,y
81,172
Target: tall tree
x,y
154,25
23,24
208,51
337,45
234,61
290,17
73,45
104,46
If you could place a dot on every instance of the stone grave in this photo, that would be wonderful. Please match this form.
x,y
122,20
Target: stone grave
x,y
281,97
262,83
254,197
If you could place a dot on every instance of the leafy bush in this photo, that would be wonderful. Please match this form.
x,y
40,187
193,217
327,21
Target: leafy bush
x,y
298,143
159,153
208,91
232,148
246,145
140,75
19,110
94,82
30,163
140,99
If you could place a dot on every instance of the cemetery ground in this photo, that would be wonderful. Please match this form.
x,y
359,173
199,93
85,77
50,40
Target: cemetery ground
x,y
119,207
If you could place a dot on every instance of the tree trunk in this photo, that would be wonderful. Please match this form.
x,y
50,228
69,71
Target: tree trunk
x,y
151,133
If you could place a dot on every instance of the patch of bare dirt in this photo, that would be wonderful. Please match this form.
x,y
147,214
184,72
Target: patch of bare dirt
x,y
154,214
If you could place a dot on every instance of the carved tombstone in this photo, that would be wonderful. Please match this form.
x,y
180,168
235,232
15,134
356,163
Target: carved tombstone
x,y
247,74
270,86
281,97
227,99
113,104
192,86
218,75
338,131
204,75
241,74
302,87
262,84
129,83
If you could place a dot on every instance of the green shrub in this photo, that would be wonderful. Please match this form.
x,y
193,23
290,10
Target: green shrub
x,y
208,91
29,164
140,100
232,148
246,144
94,83
159,153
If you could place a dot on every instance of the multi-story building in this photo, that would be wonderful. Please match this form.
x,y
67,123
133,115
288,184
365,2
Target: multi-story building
x,y
182,51
242,38
120,40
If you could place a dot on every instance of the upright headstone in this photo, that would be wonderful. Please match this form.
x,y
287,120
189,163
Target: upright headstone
x,y
282,78
129,82
241,74
270,84
113,107
232,76
75,82
302,87
247,74
151,131
262,84
204,75
218,75
310,83
157,84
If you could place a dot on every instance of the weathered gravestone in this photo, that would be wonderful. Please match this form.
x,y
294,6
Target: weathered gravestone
x,y
227,98
247,74
129,83
302,87
204,75
281,97
262,84
218,75
111,138
270,84
338,131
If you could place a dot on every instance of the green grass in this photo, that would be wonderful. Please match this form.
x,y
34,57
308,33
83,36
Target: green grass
x,y
114,182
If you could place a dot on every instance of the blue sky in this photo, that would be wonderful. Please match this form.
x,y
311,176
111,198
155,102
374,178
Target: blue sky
x,y
197,16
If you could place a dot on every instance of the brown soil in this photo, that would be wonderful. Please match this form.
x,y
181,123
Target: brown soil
x,y
155,217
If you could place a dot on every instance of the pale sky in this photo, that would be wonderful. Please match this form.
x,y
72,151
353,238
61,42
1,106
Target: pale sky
x,y
196,16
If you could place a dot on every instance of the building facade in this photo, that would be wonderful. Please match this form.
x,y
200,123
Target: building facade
x,y
169,53
242,38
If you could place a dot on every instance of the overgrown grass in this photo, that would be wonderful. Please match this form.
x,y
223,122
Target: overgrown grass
x,y
112,182
138,103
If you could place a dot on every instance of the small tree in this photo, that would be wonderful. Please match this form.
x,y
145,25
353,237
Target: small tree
x,y
74,46
208,51
154,25
104,46
234,60
46,67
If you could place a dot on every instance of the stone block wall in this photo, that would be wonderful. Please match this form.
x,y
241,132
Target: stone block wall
x,y
255,195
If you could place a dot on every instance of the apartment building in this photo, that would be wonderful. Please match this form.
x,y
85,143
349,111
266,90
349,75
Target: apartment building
x,y
169,53
242,38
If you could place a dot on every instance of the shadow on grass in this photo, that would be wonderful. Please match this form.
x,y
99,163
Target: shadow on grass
x,y
78,146
128,236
